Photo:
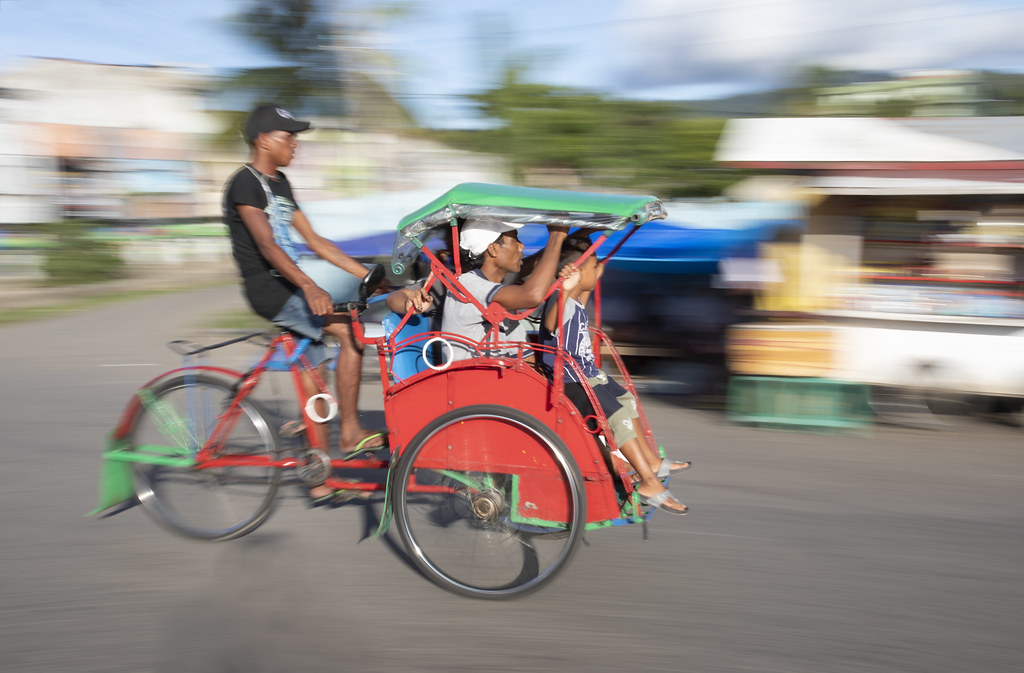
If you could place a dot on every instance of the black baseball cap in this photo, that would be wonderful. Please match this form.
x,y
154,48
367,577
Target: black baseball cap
x,y
271,117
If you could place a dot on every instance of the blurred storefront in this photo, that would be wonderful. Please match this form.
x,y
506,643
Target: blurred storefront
x,y
103,142
124,144
139,152
911,270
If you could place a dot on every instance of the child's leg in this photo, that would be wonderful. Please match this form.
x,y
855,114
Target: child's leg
x,y
652,458
649,483
648,452
629,410
638,457
621,419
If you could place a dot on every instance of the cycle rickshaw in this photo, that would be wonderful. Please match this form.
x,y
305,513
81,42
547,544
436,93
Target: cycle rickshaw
x,y
492,474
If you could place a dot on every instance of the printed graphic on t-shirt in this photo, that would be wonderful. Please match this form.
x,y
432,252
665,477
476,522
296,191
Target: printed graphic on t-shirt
x,y
578,345
279,214
577,342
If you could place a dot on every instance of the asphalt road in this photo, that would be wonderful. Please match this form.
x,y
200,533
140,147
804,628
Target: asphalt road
x,y
898,551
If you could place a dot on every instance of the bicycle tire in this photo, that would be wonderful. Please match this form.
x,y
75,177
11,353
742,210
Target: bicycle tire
x,y
218,503
460,494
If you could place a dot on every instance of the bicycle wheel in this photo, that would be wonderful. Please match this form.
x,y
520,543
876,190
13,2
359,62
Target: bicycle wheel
x,y
175,419
489,502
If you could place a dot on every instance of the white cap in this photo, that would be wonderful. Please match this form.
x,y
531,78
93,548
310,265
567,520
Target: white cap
x,y
476,235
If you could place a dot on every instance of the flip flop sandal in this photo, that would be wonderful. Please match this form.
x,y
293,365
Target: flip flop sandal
x,y
670,467
381,443
323,500
658,501
665,469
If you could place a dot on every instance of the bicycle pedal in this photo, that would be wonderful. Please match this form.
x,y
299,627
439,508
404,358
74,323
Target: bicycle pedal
x,y
293,429
316,469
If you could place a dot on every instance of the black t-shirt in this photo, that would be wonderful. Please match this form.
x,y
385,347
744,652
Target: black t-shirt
x,y
265,289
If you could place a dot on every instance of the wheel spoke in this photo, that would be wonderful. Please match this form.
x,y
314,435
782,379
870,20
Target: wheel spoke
x,y
466,486
212,503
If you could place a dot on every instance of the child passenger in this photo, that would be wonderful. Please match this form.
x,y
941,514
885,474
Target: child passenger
x,y
618,404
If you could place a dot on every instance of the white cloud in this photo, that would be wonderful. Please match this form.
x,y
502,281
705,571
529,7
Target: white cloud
x,y
758,44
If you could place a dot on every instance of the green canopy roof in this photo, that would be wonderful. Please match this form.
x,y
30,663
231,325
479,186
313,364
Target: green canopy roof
x,y
520,206
529,204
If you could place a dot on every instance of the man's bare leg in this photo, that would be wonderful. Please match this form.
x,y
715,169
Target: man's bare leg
x,y
310,388
347,379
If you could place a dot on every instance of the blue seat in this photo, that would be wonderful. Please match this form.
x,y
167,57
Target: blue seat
x,y
408,360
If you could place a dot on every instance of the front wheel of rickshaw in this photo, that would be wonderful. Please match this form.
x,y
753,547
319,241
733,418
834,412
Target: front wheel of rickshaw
x,y
489,502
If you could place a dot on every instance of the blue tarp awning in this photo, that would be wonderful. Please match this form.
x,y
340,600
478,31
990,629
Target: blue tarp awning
x,y
693,239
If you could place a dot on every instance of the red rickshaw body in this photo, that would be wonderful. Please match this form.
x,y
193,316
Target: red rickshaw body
x,y
413,404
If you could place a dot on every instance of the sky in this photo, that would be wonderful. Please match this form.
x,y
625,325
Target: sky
x,y
651,49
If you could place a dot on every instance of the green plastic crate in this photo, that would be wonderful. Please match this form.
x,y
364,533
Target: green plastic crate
x,y
799,402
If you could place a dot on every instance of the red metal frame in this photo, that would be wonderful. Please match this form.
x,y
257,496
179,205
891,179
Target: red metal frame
x,y
412,404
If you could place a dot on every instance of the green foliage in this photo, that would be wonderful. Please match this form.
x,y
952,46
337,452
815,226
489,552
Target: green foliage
x,y
78,258
301,34
894,107
1004,92
654,147
541,130
632,145
322,49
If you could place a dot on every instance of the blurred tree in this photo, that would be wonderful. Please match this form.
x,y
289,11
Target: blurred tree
x,y
1005,92
76,257
328,67
545,130
894,107
302,35
802,98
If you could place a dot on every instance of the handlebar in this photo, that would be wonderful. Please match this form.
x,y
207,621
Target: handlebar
x,y
357,311
350,306
371,281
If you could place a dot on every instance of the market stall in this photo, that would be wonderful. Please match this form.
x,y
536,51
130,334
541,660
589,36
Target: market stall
x,y
911,273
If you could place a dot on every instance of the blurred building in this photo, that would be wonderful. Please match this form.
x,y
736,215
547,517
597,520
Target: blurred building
x,y
100,142
134,144
911,271
925,93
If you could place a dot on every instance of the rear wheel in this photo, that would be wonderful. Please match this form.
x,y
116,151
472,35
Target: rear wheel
x,y
175,420
489,502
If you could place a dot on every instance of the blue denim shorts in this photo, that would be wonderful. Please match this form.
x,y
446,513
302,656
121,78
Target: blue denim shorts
x,y
296,317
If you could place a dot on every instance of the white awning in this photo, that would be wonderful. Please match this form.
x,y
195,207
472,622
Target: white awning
x,y
831,140
805,189
872,186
